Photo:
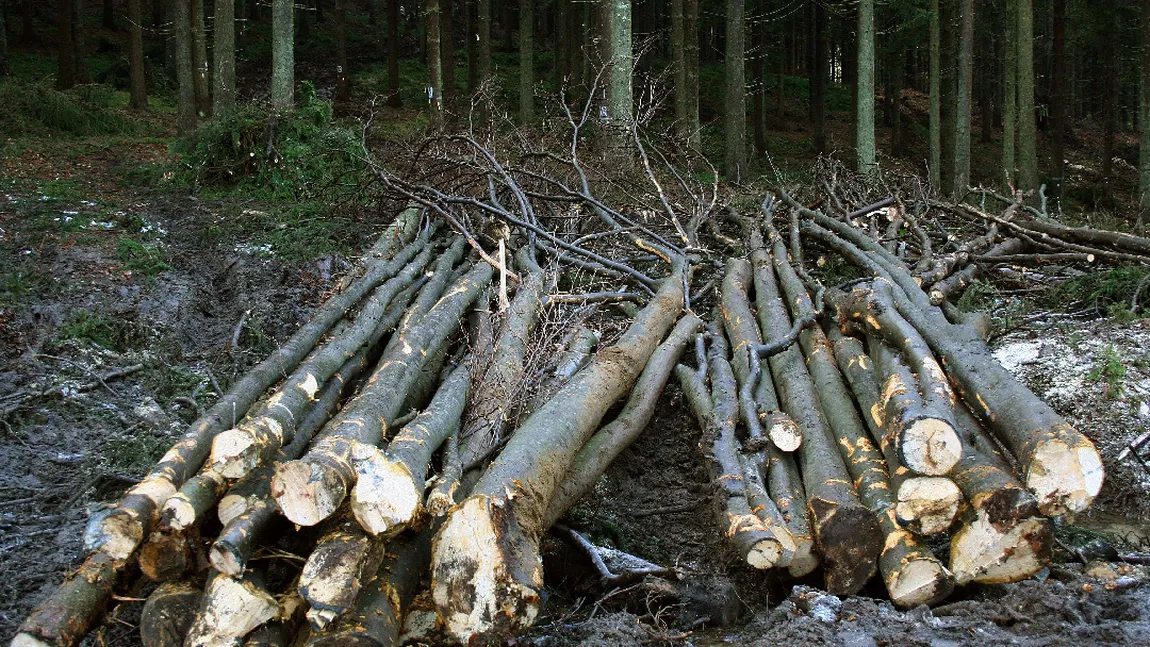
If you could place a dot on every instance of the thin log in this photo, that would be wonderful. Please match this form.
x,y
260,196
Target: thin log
x,y
956,282
607,443
487,574
388,493
310,489
846,533
912,574
74,608
122,531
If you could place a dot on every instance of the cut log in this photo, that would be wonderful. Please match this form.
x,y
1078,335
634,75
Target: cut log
x,y
230,609
847,535
486,568
281,631
342,560
74,608
758,544
784,483
168,614
138,509
607,443
310,489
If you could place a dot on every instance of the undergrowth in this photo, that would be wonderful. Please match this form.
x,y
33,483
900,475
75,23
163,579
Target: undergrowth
x,y
1120,292
36,108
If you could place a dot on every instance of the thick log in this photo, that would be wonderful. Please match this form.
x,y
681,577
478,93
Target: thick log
x,y
607,443
342,560
74,608
124,529
487,574
1060,466
757,543
490,407
257,439
847,535
310,489
784,483
281,631
229,610
168,614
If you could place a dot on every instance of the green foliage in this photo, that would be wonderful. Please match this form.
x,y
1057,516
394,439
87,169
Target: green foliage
x,y
133,454
296,155
84,326
1114,291
39,109
979,296
1110,370
147,260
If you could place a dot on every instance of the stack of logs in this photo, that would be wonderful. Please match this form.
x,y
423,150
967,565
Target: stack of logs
x,y
840,425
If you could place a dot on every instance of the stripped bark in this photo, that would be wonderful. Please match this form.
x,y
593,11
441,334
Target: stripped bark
x,y
846,533
310,489
912,574
137,510
486,568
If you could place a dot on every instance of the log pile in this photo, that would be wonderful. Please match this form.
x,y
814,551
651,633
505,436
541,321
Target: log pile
x,y
390,448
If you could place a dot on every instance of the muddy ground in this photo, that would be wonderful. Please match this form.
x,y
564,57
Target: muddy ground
x,y
190,312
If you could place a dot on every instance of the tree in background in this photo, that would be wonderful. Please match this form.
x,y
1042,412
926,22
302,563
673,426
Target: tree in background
x,y
342,89
447,40
864,111
393,54
735,155
1009,93
1144,120
200,59
620,66
935,125
138,87
283,56
1058,96
1027,128
434,64
5,68
963,91
185,89
526,63
224,59
818,76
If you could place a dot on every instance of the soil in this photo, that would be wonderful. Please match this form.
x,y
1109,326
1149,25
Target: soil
x,y
69,440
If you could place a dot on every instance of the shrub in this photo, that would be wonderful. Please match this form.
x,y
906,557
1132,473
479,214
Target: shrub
x,y
39,109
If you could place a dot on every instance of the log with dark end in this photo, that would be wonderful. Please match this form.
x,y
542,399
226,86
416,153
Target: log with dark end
x,y
168,614
168,554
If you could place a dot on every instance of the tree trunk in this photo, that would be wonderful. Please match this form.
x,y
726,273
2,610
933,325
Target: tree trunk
x,y
1058,99
948,94
434,64
964,89
186,98
935,124
470,38
818,77
283,56
482,42
200,59
393,99
1027,129
864,111
28,34
109,17
621,64
1110,92
897,134
759,100
447,46
342,88
691,50
79,60
224,54
526,63
5,67
1007,173
682,93
735,109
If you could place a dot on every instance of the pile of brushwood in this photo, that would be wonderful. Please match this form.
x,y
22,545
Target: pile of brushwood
x,y
392,448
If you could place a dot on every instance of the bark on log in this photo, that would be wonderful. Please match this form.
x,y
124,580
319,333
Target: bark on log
x,y
783,480
757,543
342,560
168,614
74,608
492,403
846,534
486,567
960,279
256,440
310,489
388,493
607,443
139,508
1060,466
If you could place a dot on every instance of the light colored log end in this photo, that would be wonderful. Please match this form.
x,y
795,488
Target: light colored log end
x,y
225,560
486,574
230,507
232,609
981,552
767,554
332,576
806,559
928,505
235,452
308,492
118,535
1064,478
28,640
385,498
930,446
921,581
178,513
784,433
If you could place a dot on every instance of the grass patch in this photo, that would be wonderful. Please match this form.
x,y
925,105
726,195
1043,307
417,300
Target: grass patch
x,y
143,259
85,326
135,454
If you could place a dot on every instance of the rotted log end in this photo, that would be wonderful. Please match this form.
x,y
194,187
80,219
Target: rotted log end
x,y
119,532
74,608
440,500
385,497
333,574
235,452
930,446
166,556
849,541
783,431
1064,472
168,614
232,608
486,573
927,505
308,492
983,552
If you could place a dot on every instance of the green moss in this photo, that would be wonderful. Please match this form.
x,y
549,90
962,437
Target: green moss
x,y
143,259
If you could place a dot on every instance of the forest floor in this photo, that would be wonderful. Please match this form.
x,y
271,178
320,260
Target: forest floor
x,y
100,274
